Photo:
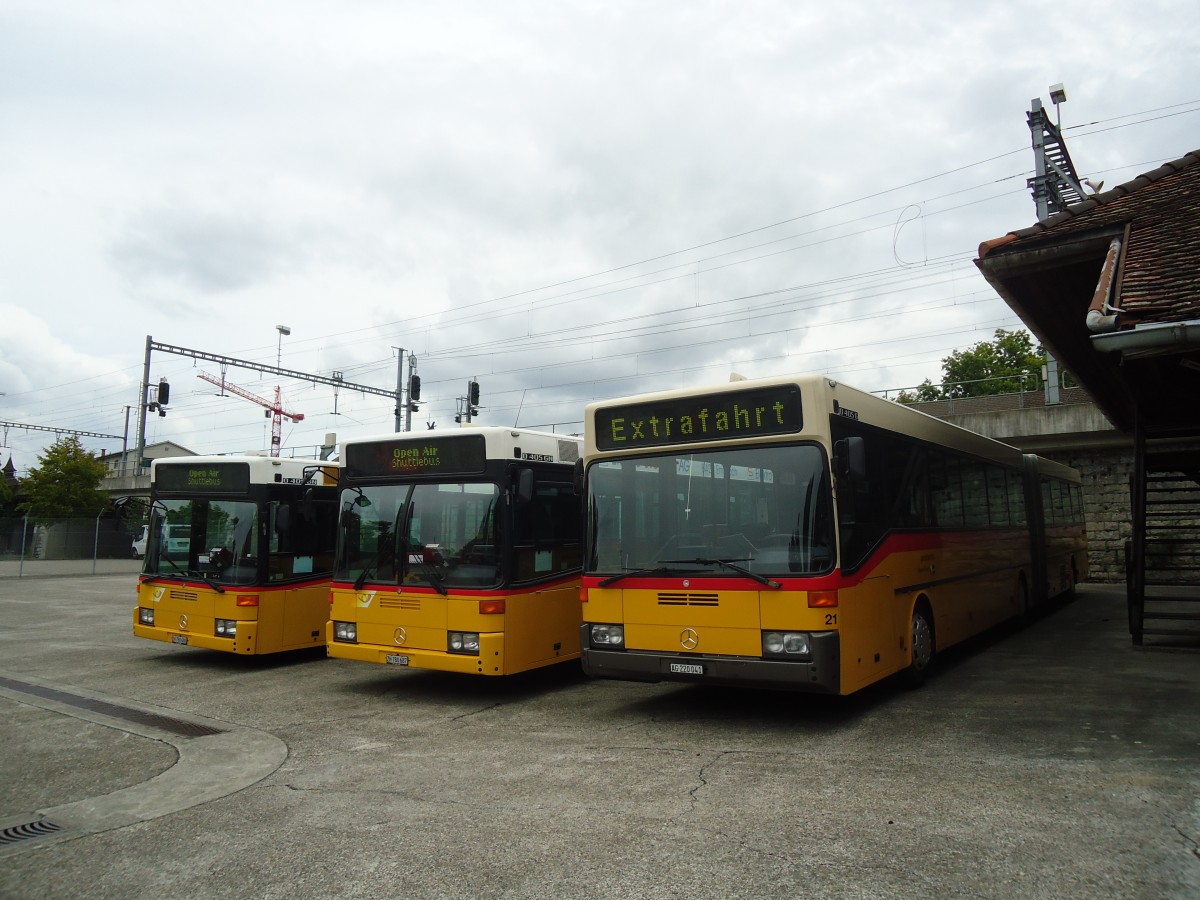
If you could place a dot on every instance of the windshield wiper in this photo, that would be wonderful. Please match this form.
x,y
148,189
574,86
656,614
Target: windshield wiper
x,y
427,569
654,570
368,569
729,564
220,589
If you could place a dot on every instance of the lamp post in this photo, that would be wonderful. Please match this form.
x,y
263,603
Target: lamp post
x,y
282,329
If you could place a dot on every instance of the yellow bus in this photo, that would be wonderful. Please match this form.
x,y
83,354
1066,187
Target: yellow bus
x,y
239,553
798,533
458,551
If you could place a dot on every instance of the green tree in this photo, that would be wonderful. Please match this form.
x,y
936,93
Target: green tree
x,y
65,483
1000,366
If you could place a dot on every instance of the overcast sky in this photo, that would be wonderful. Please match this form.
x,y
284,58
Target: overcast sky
x,y
565,200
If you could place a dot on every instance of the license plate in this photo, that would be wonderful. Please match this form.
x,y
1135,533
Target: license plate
x,y
179,639
685,668
393,660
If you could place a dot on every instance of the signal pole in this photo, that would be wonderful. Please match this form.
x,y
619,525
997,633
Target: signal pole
x,y
414,392
399,386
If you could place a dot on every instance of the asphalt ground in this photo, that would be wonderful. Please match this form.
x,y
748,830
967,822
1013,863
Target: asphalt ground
x,y
1055,761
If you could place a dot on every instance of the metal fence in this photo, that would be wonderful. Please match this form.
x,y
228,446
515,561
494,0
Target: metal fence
x,y
33,546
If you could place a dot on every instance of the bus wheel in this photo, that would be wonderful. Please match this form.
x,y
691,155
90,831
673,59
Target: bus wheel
x,y
922,647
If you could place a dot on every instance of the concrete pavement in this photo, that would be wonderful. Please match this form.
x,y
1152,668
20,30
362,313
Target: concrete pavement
x,y
1054,761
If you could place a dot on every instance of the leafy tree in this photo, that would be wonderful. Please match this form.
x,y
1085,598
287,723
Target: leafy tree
x,y
1000,366
65,483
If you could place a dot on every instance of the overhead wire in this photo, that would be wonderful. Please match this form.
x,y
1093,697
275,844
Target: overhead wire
x,y
117,395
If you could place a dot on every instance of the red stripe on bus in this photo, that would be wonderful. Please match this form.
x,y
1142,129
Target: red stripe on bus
x,y
901,542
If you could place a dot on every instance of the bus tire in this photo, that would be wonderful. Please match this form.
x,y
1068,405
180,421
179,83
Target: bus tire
x,y
922,646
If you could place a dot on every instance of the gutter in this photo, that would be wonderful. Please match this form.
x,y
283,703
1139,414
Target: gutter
x,y
1102,315
1151,337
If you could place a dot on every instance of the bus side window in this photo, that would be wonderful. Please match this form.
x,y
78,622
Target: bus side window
x,y
997,496
863,507
974,493
1016,498
303,538
946,490
908,485
547,532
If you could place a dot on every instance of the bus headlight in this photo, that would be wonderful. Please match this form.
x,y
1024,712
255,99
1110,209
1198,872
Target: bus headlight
x,y
345,631
226,628
463,642
608,636
787,644
145,616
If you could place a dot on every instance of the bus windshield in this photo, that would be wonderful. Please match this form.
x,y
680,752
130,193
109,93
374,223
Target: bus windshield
x,y
442,535
765,509
214,540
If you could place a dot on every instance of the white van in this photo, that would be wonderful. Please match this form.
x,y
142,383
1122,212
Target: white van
x,y
179,540
139,543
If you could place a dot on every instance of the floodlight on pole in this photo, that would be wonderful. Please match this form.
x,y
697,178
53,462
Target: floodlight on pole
x,y
282,329
1058,95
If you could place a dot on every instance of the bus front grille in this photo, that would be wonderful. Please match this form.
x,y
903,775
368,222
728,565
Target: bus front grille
x,y
685,599
413,603
183,595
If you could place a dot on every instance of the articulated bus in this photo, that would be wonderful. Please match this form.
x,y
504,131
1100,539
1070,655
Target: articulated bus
x,y
239,553
459,551
797,533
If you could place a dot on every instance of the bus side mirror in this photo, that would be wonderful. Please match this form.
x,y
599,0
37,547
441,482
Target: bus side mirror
x,y
577,480
850,458
525,486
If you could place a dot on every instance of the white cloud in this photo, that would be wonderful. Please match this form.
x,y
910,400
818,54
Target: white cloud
x,y
448,179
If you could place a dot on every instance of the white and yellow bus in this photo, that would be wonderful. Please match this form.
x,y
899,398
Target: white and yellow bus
x,y
799,533
239,553
458,551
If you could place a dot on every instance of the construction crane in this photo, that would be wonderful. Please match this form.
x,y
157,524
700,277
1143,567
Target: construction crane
x,y
275,410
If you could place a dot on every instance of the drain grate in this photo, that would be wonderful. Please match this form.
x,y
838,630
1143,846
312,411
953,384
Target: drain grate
x,y
180,727
28,831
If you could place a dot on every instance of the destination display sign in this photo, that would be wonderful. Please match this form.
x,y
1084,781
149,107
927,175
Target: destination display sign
x,y
724,416
217,477
461,454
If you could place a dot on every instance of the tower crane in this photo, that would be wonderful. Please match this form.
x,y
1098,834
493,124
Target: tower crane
x,y
275,410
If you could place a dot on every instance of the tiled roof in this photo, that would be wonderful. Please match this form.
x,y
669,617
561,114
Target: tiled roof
x,y
1160,278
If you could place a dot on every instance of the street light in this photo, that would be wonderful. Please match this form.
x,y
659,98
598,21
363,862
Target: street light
x,y
282,329
1058,95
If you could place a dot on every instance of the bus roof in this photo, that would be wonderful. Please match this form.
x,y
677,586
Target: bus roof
x,y
505,444
820,398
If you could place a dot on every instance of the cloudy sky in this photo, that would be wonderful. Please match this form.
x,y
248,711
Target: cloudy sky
x,y
566,201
